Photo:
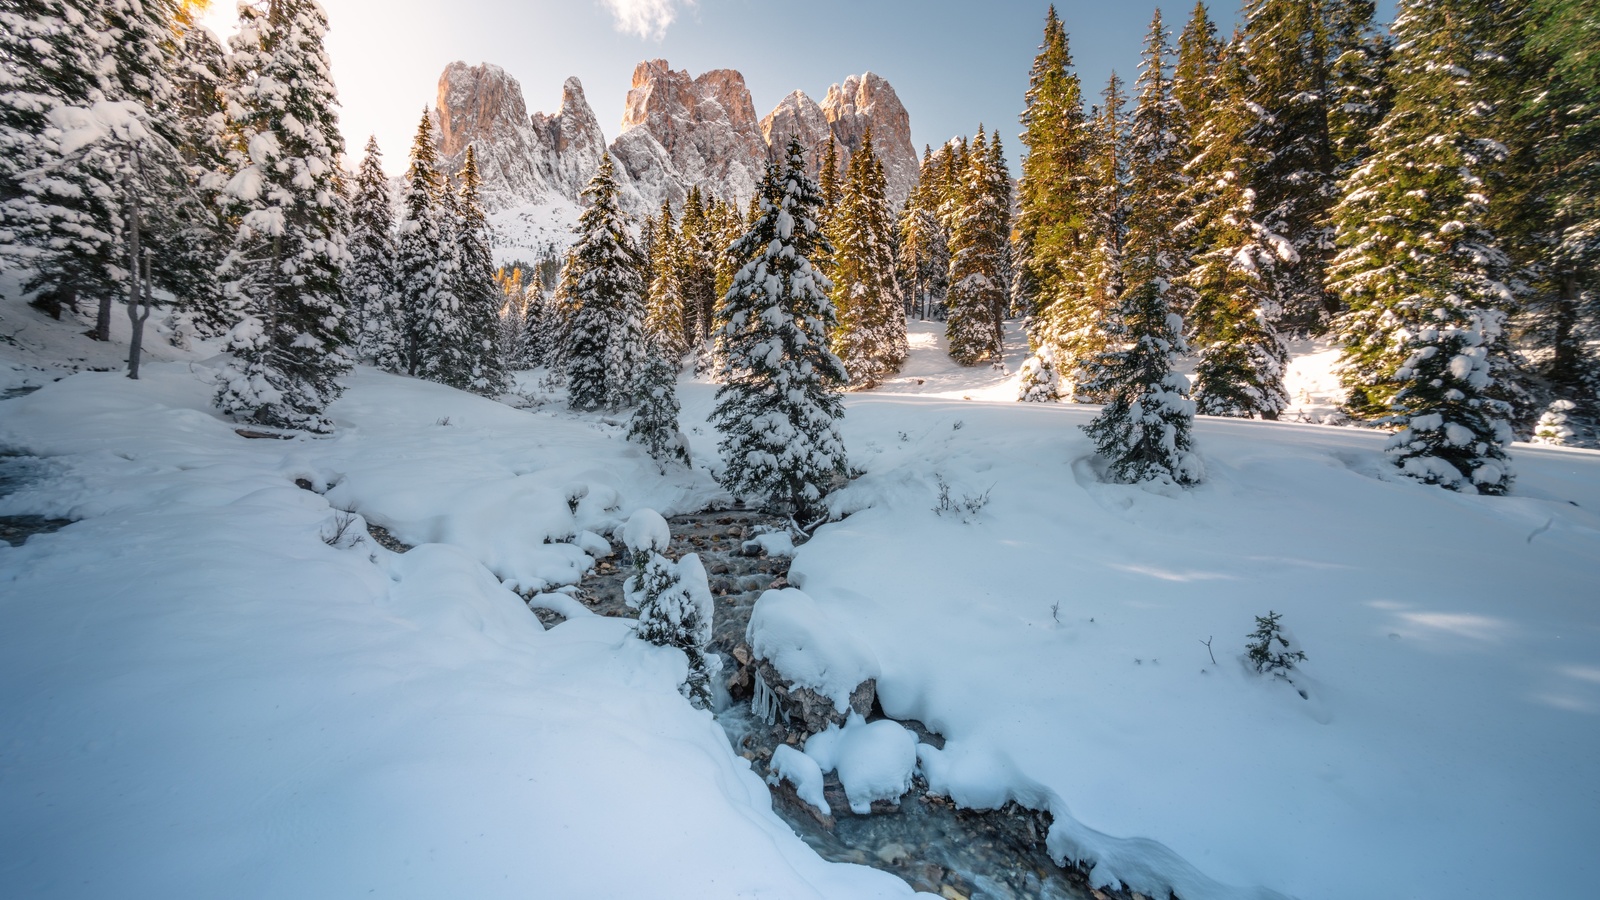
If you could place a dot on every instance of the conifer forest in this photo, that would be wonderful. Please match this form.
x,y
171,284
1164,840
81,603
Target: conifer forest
x,y
796,517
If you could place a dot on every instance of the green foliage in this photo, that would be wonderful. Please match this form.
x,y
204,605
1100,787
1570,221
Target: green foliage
x,y
1269,650
870,338
979,256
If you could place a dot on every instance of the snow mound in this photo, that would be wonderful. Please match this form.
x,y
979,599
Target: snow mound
x,y
875,760
800,770
788,629
646,532
775,543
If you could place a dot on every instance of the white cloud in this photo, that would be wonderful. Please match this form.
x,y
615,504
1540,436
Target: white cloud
x,y
646,18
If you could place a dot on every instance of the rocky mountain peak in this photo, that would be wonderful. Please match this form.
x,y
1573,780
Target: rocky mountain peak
x,y
706,126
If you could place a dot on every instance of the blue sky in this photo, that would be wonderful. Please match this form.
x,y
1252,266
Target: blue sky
x,y
954,64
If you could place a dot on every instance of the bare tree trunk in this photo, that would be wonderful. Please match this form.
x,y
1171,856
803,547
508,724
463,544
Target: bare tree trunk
x,y
138,279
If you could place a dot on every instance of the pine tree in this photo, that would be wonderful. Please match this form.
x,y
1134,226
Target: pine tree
x,y
485,371
699,244
1053,202
654,423
1559,207
665,307
871,335
1194,82
1234,280
285,267
83,85
675,610
779,395
424,252
1095,290
513,325
1421,268
924,257
603,281
1143,429
978,253
371,279
1358,92
1284,57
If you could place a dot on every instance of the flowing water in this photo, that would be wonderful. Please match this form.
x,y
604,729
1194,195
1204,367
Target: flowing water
x,y
924,839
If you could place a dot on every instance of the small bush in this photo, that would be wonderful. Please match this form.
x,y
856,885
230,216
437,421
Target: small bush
x,y
1268,634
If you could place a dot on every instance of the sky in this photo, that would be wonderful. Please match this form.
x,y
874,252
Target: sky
x,y
954,64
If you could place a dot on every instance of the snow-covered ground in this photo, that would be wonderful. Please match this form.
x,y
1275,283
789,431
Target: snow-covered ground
x,y
204,697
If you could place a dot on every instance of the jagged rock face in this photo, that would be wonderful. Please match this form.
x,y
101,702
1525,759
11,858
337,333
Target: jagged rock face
x,y
678,132
706,125
522,159
861,102
866,102
797,115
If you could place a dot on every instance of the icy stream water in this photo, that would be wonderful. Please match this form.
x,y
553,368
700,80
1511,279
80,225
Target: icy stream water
x,y
16,471
924,839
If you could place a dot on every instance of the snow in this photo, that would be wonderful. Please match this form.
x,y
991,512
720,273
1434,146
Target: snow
x,y
1444,749
875,760
800,770
199,686
646,532
808,646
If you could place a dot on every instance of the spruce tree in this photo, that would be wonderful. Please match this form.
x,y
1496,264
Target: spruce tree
x,y
1143,430
1096,289
1284,57
924,256
423,248
654,423
485,371
665,307
1558,205
699,244
513,325
372,278
1051,194
779,399
871,335
1194,81
979,292
1358,92
1421,268
603,282
1235,278
284,269
675,610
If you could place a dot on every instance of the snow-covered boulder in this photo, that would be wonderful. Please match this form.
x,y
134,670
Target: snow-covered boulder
x,y
814,670
875,760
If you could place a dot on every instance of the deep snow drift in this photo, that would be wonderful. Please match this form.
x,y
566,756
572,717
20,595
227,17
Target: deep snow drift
x,y
208,692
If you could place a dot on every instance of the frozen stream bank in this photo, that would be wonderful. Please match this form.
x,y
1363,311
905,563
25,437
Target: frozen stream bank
x,y
924,839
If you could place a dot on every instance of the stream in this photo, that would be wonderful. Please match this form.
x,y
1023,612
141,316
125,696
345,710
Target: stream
x,y
924,839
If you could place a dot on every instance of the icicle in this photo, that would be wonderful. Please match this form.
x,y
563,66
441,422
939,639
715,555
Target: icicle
x,y
764,703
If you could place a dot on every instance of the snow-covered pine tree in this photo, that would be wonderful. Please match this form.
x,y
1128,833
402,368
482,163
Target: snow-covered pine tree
x,y
924,259
779,399
82,82
1143,430
1052,200
1236,301
870,338
371,279
979,291
654,423
423,249
1039,381
603,282
1194,82
1095,289
475,286
674,603
541,328
1358,91
199,73
664,315
447,346
1283,53
1421,268
285,266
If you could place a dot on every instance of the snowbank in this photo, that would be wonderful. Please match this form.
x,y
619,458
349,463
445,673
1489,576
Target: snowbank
x,y
788,629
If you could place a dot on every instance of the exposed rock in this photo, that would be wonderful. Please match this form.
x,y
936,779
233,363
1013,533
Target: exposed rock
x,y
707,126
677,132
810,712
867,101
523,159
